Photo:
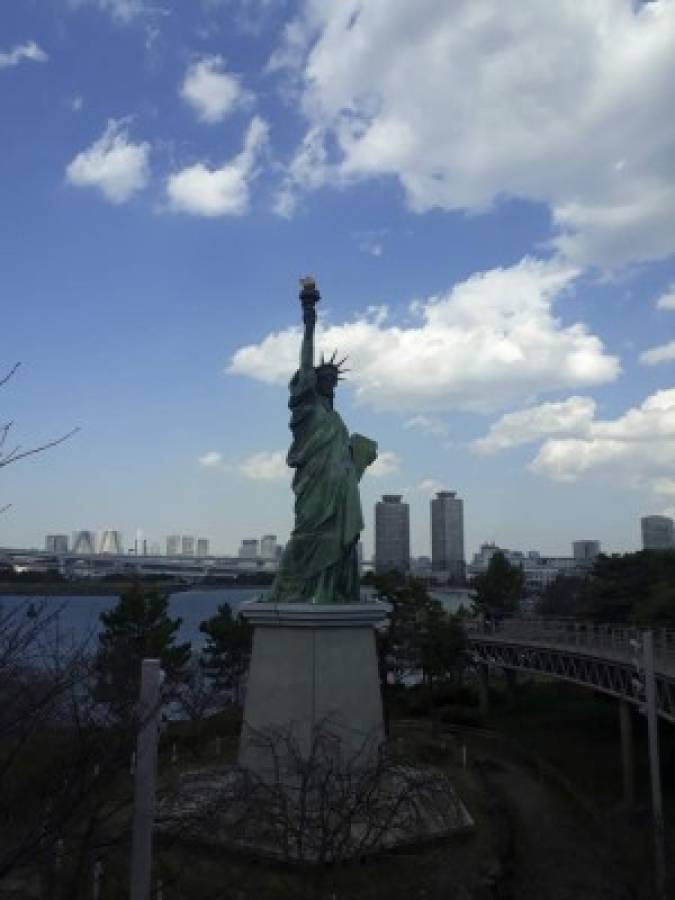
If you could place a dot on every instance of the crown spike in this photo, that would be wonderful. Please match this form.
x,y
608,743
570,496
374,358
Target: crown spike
x,y
332,359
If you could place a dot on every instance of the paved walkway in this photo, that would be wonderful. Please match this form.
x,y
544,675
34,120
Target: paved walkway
x,y
557,855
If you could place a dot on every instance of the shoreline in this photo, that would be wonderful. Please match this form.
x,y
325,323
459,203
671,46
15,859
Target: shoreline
x,y
94,588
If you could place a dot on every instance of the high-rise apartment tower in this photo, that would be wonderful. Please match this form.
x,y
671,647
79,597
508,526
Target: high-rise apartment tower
x,y
584,552
447,534
392,534
111,542
657,533
56,543
249,549
84,542
268,546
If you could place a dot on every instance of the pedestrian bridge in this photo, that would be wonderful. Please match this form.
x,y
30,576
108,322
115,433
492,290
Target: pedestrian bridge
x,y
602,657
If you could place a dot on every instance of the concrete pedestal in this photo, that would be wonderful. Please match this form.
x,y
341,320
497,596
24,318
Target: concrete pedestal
x,y
313,675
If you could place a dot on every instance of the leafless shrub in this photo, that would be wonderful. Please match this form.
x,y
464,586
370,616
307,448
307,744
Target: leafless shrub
x,y
314,805
64,766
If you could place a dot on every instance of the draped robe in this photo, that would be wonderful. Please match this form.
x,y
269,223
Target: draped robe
x,y
320,564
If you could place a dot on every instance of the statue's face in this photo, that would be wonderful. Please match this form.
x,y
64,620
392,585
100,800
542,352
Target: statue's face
x,y
325,384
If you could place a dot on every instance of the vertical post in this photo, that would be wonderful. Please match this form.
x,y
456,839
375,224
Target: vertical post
x,y
96,880
145,778
511,680
483,689
654,764
627,755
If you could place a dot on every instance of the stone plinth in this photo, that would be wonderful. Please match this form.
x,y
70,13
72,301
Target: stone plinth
x,y
313,672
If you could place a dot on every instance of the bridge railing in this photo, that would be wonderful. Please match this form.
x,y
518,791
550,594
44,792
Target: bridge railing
x,y
607,638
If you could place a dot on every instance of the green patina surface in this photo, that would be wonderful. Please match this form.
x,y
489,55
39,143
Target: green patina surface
x,y
320,563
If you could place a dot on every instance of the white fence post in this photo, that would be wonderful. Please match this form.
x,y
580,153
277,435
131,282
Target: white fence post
x,y
145,779
654,763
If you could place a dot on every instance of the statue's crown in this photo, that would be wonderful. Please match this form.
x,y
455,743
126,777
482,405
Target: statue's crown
x,y
330,367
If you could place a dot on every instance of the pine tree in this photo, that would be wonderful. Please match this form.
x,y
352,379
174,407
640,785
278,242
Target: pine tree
x,y
138,627
500,588
227,653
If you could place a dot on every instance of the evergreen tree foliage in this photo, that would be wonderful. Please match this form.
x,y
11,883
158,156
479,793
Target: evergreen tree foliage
x,y
499,589
227,653
422,638
138,627
564,598
634,587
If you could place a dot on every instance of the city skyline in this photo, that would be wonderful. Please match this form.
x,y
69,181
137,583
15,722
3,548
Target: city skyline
x,y
657,532
505,303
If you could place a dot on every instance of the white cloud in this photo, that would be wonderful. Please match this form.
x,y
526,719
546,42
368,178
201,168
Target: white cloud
x,y
491,341
428,424
665,486
567,104
113,164
212,92
371,240
76,103
571,416
655,355
387,463
667,300
637,448
202,191
429,486
265,466
212,459
28,51
122,11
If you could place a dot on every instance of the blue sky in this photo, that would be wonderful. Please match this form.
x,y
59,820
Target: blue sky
x,y
484,191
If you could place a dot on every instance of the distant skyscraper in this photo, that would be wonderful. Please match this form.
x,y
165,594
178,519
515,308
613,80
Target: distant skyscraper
x,y
447,534
173,545
111,542
56,543
249,549
202,547
84,542
187,545
392,534
268,546
584,552
657,533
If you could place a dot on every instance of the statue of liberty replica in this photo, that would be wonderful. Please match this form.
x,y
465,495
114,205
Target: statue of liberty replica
x,y
320,563
314,662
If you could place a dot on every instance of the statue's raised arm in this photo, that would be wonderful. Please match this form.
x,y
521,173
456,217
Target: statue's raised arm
x,y
309,297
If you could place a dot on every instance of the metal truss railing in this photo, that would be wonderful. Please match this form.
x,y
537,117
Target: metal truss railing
x,y
595,656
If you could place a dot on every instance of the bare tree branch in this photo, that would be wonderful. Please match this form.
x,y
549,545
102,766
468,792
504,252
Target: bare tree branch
x,y
9,374
14,455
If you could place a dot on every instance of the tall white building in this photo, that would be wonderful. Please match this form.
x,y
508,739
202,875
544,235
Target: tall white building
x,y
111,542
392,534
584,552
268,546
447,534
249,549
84,542
173,545
187,545
657,533
56,543
202,547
